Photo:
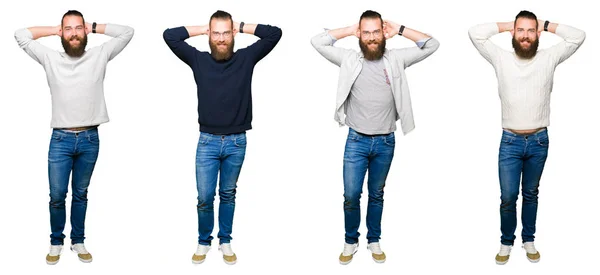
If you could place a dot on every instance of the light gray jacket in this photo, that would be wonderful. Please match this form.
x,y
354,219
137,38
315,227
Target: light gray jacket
x,y
395,60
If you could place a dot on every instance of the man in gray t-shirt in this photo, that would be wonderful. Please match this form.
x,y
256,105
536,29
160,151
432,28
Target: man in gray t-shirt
x,y
372,95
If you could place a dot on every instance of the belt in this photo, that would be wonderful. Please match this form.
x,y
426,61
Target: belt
x,y
78,129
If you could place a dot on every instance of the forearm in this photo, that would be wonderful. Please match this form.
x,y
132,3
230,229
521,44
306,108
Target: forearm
x,y
342,32
197,30
505,26
414,35
247,28
39,32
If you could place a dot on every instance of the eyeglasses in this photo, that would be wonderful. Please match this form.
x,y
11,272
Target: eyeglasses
x,y
376,33
225,34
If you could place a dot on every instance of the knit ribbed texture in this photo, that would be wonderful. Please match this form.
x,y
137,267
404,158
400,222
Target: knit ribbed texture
x,y
524,85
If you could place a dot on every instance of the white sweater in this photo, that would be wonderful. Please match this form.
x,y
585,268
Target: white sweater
x,y
525,85
77,84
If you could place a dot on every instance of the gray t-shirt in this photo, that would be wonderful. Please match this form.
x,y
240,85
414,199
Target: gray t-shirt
x,y
370,107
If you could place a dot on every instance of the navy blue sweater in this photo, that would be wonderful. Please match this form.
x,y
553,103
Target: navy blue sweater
x,y
223,87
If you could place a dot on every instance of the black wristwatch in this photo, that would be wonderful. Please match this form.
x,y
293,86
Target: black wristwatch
x,y
546,25
401,30
94,27
242,27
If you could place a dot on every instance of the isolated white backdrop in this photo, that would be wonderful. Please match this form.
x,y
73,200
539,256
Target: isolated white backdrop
x,y
442,195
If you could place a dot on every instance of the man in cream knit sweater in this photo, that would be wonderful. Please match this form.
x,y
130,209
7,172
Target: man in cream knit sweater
x,y
524,83
75,78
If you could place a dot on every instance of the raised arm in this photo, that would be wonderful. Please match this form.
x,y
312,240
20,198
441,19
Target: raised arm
x,y
121,37
175,39
269,37
426,45
573,38
324,41
480,36
26,40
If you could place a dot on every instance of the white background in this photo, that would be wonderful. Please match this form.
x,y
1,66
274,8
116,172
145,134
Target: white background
x,y
442,195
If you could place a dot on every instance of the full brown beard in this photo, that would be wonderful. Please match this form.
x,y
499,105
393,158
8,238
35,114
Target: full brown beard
x,y
525,53
74,51
220,56
375,54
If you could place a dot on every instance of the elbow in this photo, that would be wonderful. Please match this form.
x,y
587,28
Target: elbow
x,y
581,37
167,35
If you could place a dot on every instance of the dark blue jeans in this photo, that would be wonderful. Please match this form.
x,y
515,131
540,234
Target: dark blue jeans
x,y
70,155
219,156
365,153
520,162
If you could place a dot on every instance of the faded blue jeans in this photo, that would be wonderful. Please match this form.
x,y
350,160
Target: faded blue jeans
x,y
520,162
219,156
70,155
365,153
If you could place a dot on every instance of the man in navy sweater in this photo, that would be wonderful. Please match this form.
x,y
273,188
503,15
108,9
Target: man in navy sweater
x,y
224,79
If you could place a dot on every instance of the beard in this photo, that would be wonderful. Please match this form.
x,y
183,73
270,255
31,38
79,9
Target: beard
x,y
74,51
525,53
221,55
372,54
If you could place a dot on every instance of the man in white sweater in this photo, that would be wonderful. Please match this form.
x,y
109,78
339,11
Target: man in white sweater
x,y
524,83
75,78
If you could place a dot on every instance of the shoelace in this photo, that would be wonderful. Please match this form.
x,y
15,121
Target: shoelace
x,y
80,249
55,250
201,250
375,248
349,249
504,250
530,248
226,249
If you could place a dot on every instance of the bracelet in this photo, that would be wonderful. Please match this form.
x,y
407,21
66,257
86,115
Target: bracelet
x,y
94,27
242,27
401,30
546,25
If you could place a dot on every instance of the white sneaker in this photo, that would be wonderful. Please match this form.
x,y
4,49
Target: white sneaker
x,y
503,255
228,255
378,255
54,254
348,254
532,254
200,254
82,253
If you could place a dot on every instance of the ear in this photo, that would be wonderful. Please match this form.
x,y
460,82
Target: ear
x,y
235,31
358,33
539,33
512,32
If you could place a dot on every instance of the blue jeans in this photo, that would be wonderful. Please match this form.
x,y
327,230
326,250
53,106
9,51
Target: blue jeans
x,y
362,153
520,162
224,154
70,155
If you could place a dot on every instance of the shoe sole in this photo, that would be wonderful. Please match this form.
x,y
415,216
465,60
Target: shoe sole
x,y
379,261
198,262
501,263
51,263
230,263
345,263
533,261
85,261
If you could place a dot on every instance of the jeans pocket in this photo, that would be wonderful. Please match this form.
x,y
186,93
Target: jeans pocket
x,y
543,141
203,140
93,139
506,139
240,141
390,140
57,137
